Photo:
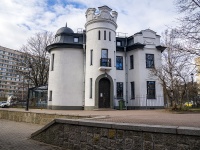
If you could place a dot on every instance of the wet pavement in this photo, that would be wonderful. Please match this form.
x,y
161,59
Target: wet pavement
x,y
15,136
151,117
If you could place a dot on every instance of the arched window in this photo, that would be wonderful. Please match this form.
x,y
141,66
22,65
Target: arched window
x,y
104,35
99,35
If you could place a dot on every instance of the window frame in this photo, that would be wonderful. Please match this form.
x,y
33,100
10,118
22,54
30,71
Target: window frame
x,y
121,62
75,40
151,90
131,62
99,35
90,88
50,95
119,43
104,34
132,90
52,61
91,57
120,92
152,65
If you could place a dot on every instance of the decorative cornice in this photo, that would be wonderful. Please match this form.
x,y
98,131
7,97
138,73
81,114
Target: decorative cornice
x,y
64,45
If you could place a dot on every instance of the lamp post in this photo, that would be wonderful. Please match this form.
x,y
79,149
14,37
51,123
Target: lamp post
x,y
27,101
192,76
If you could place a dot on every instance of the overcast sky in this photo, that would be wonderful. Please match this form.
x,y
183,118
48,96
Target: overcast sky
x,y
20,19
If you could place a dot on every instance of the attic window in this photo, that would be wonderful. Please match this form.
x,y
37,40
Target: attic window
x,y
119,43
75,40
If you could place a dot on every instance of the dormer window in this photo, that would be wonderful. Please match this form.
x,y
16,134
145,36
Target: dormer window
x,y
75,40
119,43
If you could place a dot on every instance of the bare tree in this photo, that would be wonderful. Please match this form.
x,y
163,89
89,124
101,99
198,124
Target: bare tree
x,y
175,70
189,25
34,65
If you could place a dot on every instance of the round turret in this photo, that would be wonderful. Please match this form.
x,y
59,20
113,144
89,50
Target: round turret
x,y
64,30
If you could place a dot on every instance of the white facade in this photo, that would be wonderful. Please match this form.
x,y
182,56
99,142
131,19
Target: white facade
x,y
95,69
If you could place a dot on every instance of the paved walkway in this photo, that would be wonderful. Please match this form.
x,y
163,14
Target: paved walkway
x,y
15,136
152,117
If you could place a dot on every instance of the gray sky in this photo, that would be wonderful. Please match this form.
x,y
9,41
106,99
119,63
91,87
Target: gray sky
x,y
20,19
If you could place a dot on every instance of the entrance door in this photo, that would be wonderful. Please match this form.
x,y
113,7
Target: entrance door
x,y
104,93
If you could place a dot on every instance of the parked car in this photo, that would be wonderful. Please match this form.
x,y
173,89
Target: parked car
x,y
4,104
1,102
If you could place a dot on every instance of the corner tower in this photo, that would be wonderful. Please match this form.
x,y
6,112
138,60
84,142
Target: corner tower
x,y
100,70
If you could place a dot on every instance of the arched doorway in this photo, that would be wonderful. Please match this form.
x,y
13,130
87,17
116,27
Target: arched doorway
x,y
104,93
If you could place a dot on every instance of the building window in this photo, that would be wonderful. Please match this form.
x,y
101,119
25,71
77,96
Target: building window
x,y
99,35
119,89
109,36
114,60
91,57
131,62
90,87
119,43
104,35
119,62
132,90
50,95
75,40
151,90
52,62
149,60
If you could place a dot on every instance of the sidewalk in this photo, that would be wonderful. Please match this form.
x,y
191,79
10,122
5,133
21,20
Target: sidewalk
x,y
151,117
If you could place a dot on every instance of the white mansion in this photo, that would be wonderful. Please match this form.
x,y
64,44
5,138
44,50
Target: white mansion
x,y
95,69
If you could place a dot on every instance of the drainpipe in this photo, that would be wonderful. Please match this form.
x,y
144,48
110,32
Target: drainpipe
x,y
126,72
84,61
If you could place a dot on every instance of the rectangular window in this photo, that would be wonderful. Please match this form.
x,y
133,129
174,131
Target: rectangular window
x,y
131,62
132,90
119,89
91,57
114,60
119,62
99,35
75,40
90,87
52,62
149,60
104,35
109,36
50,95
104,57
151,90
119,43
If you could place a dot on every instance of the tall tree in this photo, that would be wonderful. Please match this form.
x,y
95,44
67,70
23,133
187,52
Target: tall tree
x,y
189,25
175,70
35,62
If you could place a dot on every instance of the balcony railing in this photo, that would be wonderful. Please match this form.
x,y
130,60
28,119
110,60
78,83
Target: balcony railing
x,y
105,62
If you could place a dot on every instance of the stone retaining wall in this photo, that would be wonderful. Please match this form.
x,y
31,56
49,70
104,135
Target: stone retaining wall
x,y
32,117
88,135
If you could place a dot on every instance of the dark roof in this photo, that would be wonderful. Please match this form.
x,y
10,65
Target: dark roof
x,y
135,46
64,30
161,48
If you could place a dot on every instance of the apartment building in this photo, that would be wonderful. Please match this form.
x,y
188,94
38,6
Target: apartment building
x,y
11,83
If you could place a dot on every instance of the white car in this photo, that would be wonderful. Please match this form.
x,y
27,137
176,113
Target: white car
x,y
4,104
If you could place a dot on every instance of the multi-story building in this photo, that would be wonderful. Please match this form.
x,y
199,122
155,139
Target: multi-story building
x,y
95,69
11,83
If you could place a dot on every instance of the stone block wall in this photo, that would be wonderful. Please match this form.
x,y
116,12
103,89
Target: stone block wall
x,y
33,117
93,135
